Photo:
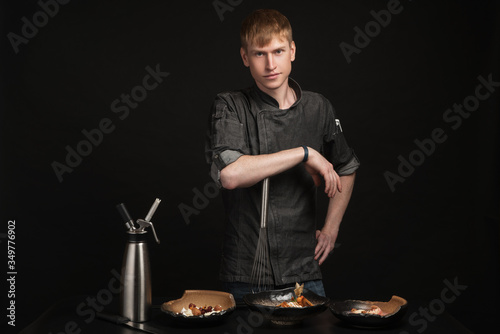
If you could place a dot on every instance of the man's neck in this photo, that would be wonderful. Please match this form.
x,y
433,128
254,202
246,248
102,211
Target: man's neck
x,y
284,95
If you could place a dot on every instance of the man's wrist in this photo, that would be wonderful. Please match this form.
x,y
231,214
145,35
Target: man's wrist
x,y
306,153
331,227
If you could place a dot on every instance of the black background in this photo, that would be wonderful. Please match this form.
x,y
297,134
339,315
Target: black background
x,y
441,223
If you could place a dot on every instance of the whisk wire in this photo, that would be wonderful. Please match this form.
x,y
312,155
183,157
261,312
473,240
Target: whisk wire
x,y
261,270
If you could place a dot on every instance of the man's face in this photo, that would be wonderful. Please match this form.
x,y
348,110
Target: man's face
x,y
271,64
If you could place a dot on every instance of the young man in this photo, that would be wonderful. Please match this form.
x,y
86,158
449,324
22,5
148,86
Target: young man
x,y
276,130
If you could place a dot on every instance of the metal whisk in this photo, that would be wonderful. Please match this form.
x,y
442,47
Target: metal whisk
x,y
261,270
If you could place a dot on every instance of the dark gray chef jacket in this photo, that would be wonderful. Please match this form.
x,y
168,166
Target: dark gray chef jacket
x,y
249,122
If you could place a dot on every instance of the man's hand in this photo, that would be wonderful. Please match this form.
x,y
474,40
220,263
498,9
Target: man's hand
x,y
326,243
319,167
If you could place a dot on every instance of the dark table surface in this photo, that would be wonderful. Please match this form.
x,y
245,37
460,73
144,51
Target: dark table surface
x,y
74,316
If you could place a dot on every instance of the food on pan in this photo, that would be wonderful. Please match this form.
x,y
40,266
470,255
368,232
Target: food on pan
x,y
299,289
193,310
300,301
296,302
373,310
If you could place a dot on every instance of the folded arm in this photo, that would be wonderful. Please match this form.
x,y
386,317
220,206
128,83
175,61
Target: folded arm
x,y
247,170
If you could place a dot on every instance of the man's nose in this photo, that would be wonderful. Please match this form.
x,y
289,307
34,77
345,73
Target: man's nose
x,y
270,64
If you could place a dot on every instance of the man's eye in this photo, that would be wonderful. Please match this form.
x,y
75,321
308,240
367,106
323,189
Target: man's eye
x,y
279,52
259,54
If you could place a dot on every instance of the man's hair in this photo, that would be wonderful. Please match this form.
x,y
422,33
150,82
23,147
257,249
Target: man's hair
x,y
261,26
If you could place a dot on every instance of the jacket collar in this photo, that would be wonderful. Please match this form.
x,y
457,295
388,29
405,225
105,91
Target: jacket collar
x,y
267,99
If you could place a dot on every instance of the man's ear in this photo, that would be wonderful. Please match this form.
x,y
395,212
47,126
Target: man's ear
x,y
244,57
293,49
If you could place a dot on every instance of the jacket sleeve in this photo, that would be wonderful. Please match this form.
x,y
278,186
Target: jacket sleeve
x,y
336,149
226,140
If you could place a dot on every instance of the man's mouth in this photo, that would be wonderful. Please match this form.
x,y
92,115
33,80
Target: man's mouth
x,y
272,76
